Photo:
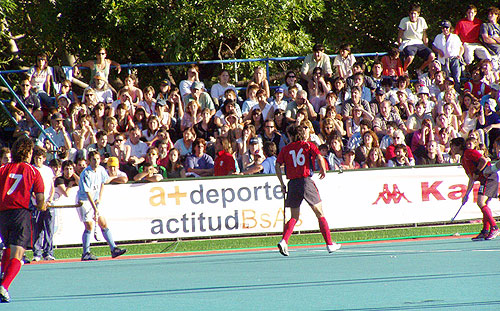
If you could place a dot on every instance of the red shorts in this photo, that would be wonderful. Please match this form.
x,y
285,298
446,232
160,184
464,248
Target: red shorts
x,y
302,189
15,227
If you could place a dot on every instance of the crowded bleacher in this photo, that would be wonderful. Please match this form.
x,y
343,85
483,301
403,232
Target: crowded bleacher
x,y
401,111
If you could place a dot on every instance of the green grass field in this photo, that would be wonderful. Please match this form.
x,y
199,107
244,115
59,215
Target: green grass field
x,y
270,241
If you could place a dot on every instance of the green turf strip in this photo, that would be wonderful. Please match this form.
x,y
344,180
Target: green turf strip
x,y
200,245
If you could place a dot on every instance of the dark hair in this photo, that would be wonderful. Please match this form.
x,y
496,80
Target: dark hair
x,y
493,10
67,163
295,132
415,7
4,151
21,149
38,151
92,154
458,142
360,64
345,47
393,52
366,122
269,149
318,47
55,163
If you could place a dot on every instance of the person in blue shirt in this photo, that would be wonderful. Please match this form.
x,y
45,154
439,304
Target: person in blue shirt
x,y
92,180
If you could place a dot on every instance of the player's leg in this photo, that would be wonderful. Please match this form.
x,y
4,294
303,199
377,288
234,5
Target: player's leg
x,y
106,233
86,213
482,202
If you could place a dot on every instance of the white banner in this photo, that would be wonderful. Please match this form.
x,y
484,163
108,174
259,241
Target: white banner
x,y
250,205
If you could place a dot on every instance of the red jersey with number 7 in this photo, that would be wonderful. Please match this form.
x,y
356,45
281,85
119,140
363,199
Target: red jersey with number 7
x,y
298,158
17,182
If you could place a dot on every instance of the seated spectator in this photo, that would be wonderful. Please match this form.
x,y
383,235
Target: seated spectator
x,y
256,119
193,75
476,86
387,114
392,64
224,163
269,164
490,75
131,82
206,127
149,170
386,141
490,32
259,78
164,92
344,61
323,150
376,73
120,150
280,122
149,101
335,156
123,119
430,156
369,141
175,108
449,50
403,107
138,148
83,135
402,84
164,116
115,175
360,67
423,135
199,95
316,59
379,96
290,81
277,102
354,100
355,140
111,128
309,134
330,102
401,157
270,134
68,179
253,158
339,88
358,80
424,96
102,146
174,167
470,117
329,126
98,115
164,146
192,115
318,89
218,89
353,123
123,98
262,105
102,90
374,159
348,162
398,139
57,132
150,134
29,98
468,30
228,108
243,142
251,99
41,78
412,39
101,64
199,163
184,144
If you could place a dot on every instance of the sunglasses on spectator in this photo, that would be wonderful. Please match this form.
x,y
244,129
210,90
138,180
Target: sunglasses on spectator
x,y
118,139
291,77
88,95
66,85
25,85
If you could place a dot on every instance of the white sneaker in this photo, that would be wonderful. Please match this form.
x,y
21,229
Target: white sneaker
x,y
283,247
48,257
334,247
4,295
37,258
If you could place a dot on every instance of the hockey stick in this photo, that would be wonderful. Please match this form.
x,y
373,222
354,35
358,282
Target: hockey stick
x,y
65,206
458,211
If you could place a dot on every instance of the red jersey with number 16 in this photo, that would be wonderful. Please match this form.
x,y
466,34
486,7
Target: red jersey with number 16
x,y
298,158
17,182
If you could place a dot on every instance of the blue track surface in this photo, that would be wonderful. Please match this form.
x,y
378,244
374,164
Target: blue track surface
x,y
453,274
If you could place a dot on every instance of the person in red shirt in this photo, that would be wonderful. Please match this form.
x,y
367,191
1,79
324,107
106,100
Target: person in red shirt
x,y
298,158
468,30
478,168
224,163
18,180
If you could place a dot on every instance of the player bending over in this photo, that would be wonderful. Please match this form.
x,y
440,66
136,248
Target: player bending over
x,y
17,181
92,182
298,158
478,168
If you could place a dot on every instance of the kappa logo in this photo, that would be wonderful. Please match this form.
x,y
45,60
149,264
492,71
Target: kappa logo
x,y
387,196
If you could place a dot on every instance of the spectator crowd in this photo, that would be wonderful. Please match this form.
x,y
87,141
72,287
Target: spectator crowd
x,y
402,112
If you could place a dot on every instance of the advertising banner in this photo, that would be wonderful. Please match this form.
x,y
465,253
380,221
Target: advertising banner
x,y
253,205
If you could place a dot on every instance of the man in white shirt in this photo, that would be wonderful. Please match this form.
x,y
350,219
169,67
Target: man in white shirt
x,y
449,49
317,58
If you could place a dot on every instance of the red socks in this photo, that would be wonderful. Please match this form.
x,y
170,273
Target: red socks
x,y
325,230
12,270
287,231
5,259
488,217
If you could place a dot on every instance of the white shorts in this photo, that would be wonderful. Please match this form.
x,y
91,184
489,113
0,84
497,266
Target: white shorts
x,y
86,212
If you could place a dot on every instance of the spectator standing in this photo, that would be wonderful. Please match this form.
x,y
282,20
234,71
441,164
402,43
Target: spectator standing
x,y
174,166
43,221
40,76
101,65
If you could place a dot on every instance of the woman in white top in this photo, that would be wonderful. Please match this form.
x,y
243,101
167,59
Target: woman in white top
x,y
217,90
40,77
